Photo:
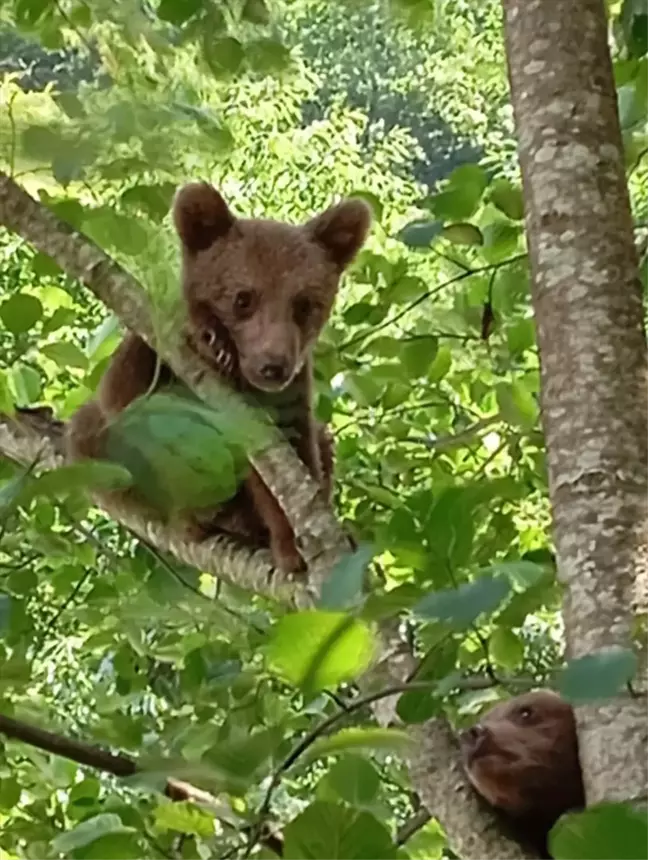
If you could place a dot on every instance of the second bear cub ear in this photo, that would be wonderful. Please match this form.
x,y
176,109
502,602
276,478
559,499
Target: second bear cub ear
x,y
201,216
342,229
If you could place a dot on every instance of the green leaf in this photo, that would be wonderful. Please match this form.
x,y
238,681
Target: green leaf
x,y
61,317
463,233
427,843
89,474
112,229
441,364
506,648
104,338
462,606
333,647
41,143
5,613
326,831
27,13
224,56
10,789
87,832
154,200
500,240
607,831
256,12
343,587
461,196
508,199
420,234
357,738
601,675
6,397
267,56
20,312
26,384
517,406
522,574
178,11
418,355
355,780
239,759
357,313
70,104
184,817
65,354
417,706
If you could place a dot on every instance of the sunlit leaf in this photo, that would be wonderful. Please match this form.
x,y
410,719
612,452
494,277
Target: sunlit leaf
x,y
354,779
20,312
88,831
326,830
607,831
333,647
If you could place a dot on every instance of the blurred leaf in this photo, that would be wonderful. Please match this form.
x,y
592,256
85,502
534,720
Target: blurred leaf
x,y
602,675
372,200
178,11
20,312
463,233
418,355
87,832
326,830
420,234
184,817
26,384
354,779
6,397
462,606
267,56
343,587
370,739
607,831
5,616
224,56
427,843
417,706
65,354
506,648
333,647
507,198
89,474
255,11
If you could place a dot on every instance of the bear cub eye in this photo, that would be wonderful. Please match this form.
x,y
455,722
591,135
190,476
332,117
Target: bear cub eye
x,y
304,309
244,302
525,713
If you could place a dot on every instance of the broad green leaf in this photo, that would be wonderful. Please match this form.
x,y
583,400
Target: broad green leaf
x,y
343,587
463,233
405,289
427,843
357,313
6,396
333,647
500,240
153,200
65,354
224,56
507,198
326,831
460,198
113,846
354,779
462,606
516,405
5,613
26,384
607,831
418,355
104,339
86,790
87,832
41,142
20,312
267,56
417,706
522,574
420,234
256,12
601,675
441,364
61,317
357,738
184,817
10,789
114,230
89,474
506,648
178,11
238,760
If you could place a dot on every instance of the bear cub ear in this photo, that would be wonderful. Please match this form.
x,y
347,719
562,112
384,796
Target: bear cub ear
x,y
201,216
342,229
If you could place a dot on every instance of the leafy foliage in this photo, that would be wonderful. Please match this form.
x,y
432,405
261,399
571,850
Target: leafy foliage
x,y
427,374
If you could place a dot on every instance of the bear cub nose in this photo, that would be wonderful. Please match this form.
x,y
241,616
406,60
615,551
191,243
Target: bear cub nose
x,y
275,370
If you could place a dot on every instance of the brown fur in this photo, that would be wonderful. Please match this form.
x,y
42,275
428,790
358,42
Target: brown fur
x,y
258,293
522,757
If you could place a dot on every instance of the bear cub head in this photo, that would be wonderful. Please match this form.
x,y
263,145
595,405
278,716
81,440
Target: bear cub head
x,y
265,287
522,758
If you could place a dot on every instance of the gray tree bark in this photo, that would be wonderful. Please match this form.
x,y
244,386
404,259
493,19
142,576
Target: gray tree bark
x,y
588,310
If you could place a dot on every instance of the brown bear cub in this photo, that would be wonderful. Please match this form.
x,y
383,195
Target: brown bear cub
x,y
522,758
258,293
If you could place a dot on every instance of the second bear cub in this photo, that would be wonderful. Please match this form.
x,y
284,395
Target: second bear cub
x,y
258,293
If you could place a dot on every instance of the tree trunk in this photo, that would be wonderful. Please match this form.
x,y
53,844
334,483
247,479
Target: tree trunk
x,y
588,309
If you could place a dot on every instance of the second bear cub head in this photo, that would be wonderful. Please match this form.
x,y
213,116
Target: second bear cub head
x,y
266,286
